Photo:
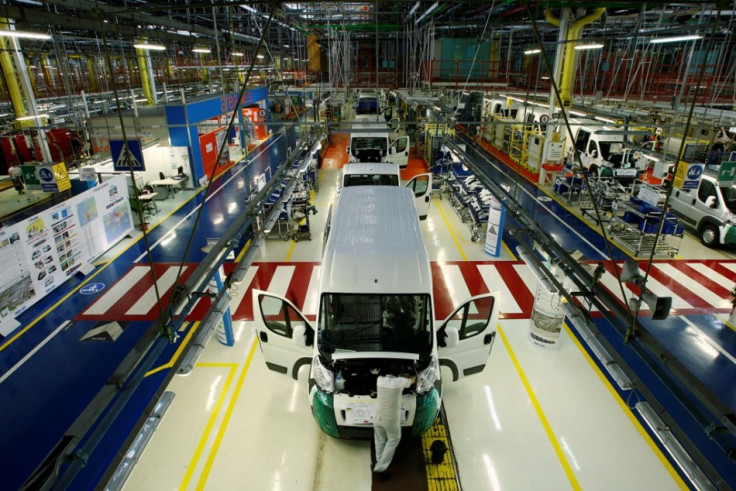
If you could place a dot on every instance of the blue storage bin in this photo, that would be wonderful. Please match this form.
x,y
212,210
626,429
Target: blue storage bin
x,y
630,217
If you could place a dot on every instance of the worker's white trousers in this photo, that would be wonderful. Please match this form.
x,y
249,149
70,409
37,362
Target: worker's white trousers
x,y
386,435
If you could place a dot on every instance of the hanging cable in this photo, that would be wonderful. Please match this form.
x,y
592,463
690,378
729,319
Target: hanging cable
x,y
99,14
678,162
166,315
579,162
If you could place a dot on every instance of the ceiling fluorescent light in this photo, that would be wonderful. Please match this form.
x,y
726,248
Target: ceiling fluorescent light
x,y
154,47
201,50
429,10
532,51
237,53
581,47
24,35
675,39
413,9
260,57
28,118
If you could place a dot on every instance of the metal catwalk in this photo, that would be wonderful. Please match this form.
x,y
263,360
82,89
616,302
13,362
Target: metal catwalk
x,y
533,419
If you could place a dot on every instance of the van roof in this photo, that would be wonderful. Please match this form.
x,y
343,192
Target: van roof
x,y
371,168
375,244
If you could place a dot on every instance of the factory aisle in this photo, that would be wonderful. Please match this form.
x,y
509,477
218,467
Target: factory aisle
x,y
533,419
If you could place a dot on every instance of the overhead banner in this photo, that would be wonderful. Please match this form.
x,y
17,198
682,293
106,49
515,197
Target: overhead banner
x,y
42,251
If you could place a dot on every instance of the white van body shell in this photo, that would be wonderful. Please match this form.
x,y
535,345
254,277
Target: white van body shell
x,y
388,174
373,133
710,209
375,252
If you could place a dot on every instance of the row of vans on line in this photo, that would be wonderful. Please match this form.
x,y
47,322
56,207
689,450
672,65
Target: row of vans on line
x,y
376,308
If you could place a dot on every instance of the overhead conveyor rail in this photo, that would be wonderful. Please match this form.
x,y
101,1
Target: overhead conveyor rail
x,y
714,417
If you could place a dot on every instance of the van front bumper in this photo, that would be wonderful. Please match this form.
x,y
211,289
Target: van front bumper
x,y
423,410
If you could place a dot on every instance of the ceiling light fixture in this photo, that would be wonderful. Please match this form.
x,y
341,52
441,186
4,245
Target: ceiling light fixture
x,y
24,34
429,10
237,53
153,47
581,47
532,51
675,39
28,118
413,9
201,50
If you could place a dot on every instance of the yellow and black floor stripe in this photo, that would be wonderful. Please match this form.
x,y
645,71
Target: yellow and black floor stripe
x,y
441,476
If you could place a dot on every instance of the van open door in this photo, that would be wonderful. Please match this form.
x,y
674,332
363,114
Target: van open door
x,y
421,186
398,152
466,337
285,336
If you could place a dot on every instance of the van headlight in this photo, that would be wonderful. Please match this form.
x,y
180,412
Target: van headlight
x,y
427,377
323,376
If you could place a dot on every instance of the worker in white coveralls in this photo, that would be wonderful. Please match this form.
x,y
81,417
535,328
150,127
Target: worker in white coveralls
x,y
387,417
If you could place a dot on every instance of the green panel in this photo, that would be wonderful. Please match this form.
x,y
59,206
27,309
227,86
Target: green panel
x,y
323,410
730,236
428,406
458,55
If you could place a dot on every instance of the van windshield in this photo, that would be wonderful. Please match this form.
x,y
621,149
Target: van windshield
x,y
370,180
729,197
369,149
354,322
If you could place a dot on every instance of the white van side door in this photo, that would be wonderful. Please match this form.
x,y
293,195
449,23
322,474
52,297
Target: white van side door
x,y
398,152
421,186
466,337
285,336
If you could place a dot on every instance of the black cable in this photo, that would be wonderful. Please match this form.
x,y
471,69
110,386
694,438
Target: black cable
x,y
579,162
166,316
99,15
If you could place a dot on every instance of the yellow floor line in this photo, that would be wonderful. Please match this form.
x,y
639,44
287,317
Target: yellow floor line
x,y
210,424
665,462
449,228
540,413
440,477
242,251
226,419
291,251
176,355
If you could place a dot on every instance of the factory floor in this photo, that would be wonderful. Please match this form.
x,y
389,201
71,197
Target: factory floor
x,y
533,419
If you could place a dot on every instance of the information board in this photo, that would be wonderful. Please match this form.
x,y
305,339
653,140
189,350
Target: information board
x,y
45,249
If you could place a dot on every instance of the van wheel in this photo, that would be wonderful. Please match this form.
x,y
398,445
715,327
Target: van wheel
x,y
709,235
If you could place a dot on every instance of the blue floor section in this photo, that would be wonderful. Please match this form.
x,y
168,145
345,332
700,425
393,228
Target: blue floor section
x,y
46,393
44,396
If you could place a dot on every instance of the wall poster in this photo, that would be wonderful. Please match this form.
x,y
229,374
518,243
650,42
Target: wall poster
x,y
44,250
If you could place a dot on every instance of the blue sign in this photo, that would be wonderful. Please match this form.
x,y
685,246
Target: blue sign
x,y
135,160
692,177
45,174
92,288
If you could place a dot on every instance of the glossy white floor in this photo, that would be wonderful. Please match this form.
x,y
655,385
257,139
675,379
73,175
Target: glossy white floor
x,y
532,419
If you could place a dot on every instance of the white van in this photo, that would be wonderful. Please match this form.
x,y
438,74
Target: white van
x,y
376,308
710,209
387,174
370,142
